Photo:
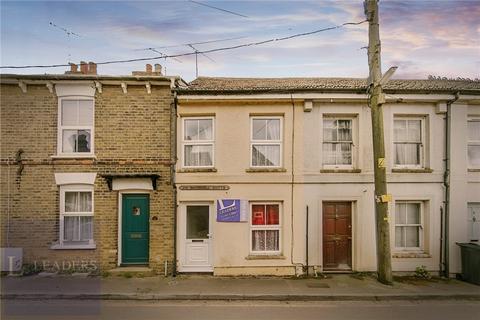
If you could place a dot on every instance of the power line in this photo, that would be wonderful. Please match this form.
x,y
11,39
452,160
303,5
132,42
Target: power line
x,y
68,32
250,44
217,8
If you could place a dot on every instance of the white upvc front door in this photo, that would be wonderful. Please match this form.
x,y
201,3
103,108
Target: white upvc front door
x,y
195,235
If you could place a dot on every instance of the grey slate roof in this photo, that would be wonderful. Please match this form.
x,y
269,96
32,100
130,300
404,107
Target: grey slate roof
x,y
212,85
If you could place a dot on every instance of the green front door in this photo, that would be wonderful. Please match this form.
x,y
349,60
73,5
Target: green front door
x,y
135,227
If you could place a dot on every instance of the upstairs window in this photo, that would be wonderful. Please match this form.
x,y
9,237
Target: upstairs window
x,y
75,134
408,141
474,143
198,142
266,142
337,142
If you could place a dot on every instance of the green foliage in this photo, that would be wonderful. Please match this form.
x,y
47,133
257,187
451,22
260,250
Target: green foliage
x,y
29,269
422,272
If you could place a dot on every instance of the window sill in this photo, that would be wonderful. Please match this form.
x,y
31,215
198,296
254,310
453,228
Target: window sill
x,y
265,257
340,170
412,170
474,170
74,156
411,254
251,170
58,246
191,170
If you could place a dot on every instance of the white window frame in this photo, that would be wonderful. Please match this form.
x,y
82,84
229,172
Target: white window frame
x,y
266,142
472,142
266,227
353,145
422,142
61,127
198,142
63,214
420,226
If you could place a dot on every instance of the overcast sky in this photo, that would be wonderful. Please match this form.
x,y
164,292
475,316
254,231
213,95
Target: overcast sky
x,y
437,37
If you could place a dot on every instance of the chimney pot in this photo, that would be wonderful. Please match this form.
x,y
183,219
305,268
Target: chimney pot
x,y
148,68
73,67
158,68
92,68
83,67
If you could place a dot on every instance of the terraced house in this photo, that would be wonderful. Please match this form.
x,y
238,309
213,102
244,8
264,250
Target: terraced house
x,y
275,176
86,169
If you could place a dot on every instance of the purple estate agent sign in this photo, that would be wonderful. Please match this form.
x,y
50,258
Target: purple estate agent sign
x,y
231,210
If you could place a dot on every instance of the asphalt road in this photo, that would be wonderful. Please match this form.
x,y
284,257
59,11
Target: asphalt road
x,y
243,310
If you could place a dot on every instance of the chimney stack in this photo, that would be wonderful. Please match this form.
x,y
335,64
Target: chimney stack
x,y
85,68
148,71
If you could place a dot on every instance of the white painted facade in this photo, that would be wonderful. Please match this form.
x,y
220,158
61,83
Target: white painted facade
x,y
303,180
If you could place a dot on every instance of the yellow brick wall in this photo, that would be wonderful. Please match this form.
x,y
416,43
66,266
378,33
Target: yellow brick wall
x,y
132,135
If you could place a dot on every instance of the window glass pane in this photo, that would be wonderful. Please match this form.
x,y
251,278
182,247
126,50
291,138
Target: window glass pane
x,y
259,129
412,154
85,113
69,112
69,141
399,237
76,141
344,155
258,240
205,129
258,214
273,129
412,237
400,130
329,130
400,210
78,229
400,153
70,228
413,213
273,214
266,155
78,201
344,130
191,130
83,141
414,131
329,153
272,240
474,155
86,228
474,130
197,222
198,155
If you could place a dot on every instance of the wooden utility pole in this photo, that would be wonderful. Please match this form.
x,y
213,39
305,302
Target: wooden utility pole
x,y
376,99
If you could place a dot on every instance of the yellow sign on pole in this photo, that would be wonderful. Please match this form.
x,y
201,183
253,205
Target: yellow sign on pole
x,y
381,163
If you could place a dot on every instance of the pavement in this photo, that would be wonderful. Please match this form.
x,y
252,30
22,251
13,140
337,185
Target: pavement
x,y
338,287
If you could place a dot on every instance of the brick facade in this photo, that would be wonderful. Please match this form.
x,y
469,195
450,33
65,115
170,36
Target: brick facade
x,y
133,135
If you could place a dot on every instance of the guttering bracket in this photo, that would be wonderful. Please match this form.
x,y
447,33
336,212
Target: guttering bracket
x,y
124,87
98,86
149,87
49,85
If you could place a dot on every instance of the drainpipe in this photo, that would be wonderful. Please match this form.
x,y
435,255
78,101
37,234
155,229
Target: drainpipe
x,y
306,240
446,183
173,124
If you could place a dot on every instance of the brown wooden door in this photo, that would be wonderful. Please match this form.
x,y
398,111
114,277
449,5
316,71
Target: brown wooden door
x,y
337,235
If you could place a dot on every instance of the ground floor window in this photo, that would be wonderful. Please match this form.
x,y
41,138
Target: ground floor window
x,y
76,215
265,228
408,225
